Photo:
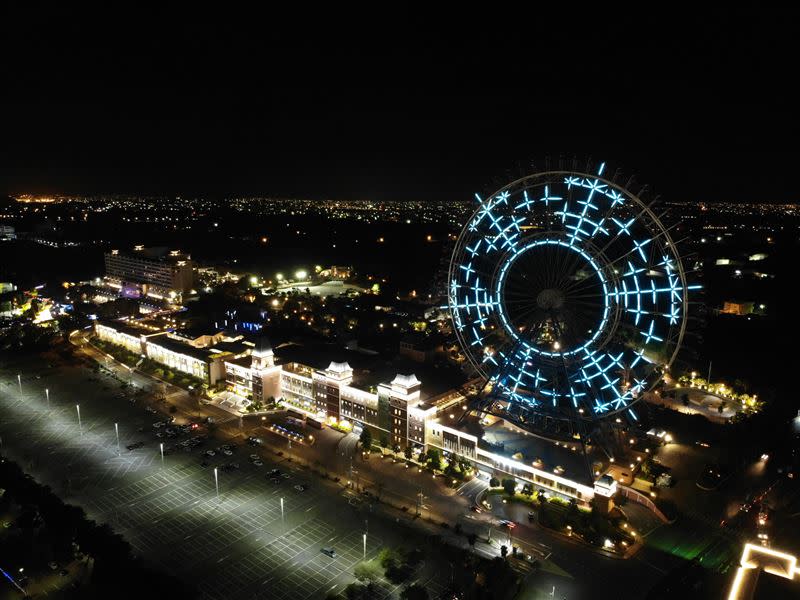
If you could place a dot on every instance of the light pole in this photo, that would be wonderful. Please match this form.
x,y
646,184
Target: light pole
x,y
365,546
282,519
116,430
47,394
19,381
80,426
216,482
161,445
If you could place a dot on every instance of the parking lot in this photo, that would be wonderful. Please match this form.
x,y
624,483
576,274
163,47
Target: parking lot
x,y
237,544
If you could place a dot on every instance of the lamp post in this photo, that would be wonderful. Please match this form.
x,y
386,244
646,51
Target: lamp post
x,y
365,546
216,482
282,519
80,426
116,430
161,446
19,381
47,395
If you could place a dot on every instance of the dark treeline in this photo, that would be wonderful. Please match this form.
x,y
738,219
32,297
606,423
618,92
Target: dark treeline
x,y
45,528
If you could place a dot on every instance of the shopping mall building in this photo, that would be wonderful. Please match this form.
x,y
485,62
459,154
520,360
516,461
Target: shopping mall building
x,y
395,408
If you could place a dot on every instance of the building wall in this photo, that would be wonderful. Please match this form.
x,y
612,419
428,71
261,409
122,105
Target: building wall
x,y
179,362
299,390
126,340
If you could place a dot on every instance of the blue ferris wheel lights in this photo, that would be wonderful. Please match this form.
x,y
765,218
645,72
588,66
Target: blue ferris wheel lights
x,y
643,298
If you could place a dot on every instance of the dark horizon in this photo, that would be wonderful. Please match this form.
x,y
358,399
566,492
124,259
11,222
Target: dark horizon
x,y
699,109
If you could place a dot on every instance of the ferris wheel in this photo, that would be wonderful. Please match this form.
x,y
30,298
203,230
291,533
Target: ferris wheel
x,y
567,295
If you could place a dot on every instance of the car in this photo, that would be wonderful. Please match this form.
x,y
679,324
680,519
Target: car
x,y
274,473
507,523
475,509
227,452
254,457
63,572
53,565
258,463
300,487
329,552
275,480
531,515
159,435
210,453
134,446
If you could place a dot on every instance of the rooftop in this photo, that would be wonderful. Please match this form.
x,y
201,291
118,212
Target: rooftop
x,y
180,348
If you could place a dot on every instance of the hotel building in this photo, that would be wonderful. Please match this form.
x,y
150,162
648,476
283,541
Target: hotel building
x,y
157,273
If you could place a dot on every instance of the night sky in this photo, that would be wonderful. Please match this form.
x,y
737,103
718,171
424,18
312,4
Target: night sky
x,y
394,105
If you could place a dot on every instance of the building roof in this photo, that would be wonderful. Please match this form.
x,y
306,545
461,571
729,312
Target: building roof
x,y
406,380
129,328
179,347
339,367
235,347
242,361
539,452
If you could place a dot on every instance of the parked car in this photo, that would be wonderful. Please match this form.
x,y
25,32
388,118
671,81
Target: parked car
x,y
329,552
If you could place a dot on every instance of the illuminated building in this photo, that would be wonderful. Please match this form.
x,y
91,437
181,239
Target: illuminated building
x,y
156,273
737,307
160,346
749,581
394,409
7,232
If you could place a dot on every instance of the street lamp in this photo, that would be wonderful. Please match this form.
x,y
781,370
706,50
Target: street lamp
x,y
47,394
365,546
80,427
282,519
161,445
19,381
216,482
116,430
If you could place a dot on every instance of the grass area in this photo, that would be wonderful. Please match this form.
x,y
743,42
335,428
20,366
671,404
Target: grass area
x,y
692,539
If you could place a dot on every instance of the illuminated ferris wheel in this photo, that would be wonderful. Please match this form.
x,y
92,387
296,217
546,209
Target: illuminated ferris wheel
x,y
567,295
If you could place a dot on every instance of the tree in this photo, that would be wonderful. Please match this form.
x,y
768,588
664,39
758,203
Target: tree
x,y
409,452
414,592
685,399
367,570
384,442
434,457
509,485
494,482
366,439
396,450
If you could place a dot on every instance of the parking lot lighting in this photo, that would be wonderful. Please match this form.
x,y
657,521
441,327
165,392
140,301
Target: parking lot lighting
x,y
80,427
